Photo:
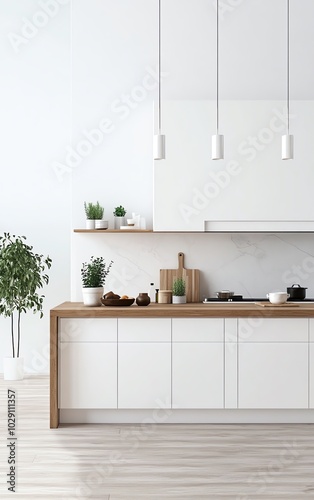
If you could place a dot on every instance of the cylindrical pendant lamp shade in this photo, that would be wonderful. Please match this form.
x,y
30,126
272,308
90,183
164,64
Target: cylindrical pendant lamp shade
x,y
217,147
159,147
287,147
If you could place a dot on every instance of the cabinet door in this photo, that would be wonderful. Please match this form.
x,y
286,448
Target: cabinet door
x,y
193,193
88,375
311,371
273,375
144,375
197,375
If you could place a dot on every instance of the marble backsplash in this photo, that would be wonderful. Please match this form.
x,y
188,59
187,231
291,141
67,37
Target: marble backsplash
x,y
251,264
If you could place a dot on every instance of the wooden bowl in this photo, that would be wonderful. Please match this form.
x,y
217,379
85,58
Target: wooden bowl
x,y
118,302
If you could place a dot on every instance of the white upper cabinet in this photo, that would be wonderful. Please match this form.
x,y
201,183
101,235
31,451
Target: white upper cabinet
x,y
252,188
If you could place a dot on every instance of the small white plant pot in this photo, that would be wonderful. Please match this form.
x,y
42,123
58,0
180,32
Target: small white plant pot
x,y
179,299
90,224
101,224
13,368
119,221
92,296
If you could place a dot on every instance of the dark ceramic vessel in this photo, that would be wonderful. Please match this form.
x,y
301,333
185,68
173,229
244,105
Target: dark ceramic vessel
x,y
143,299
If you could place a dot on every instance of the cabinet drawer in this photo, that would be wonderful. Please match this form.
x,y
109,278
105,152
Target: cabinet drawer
x,y
144,330
87,330
198,330
311,329
273,330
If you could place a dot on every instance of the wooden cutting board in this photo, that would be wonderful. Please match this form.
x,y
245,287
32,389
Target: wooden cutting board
x,y
191,277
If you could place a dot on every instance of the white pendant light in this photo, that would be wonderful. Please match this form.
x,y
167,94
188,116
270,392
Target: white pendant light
x,y
217,139
287,139
159,139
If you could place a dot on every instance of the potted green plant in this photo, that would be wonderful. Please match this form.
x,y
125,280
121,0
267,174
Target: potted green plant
x,y
22,273
178,291
119,217
94,216
93,276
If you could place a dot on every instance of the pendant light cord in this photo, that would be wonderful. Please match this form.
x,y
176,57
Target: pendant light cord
x,y
159,66
288,65
217,66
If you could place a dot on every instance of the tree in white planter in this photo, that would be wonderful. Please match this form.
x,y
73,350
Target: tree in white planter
x,y
22,273
94,275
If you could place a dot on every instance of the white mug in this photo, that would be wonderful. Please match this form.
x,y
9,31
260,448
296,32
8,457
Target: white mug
x,y
278,297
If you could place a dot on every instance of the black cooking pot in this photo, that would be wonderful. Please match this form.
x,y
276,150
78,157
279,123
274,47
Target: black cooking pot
x,y
296,292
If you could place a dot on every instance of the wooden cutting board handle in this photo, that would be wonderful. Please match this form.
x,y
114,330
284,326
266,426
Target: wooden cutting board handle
x,y
181,260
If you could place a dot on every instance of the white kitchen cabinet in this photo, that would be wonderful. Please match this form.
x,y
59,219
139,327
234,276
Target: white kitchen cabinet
x,y
198,363
88,375
144,366
273,362
144,375
311,362
273,375
144,330
88,329
311,330
198,330
186,363
231,363
311,374
249,189
197,375
260,329
87,363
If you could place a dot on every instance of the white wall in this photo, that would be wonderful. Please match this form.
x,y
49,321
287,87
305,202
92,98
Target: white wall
x,y
251,264
35,124
114,46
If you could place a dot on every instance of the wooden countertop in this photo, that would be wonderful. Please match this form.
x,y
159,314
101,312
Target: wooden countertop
x,y
199,310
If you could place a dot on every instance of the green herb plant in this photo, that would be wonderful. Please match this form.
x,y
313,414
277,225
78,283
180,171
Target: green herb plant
x,y
178,287
119,211
93,211
22,273
94,273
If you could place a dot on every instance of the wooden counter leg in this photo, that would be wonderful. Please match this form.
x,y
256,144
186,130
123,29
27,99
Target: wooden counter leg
x,y
54,414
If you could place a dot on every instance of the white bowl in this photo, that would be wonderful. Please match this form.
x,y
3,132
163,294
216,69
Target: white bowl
x,y
130,222
278,297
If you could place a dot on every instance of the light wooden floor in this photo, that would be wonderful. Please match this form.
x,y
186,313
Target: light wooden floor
x,y
118,462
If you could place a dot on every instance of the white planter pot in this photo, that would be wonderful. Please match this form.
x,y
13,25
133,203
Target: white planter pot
x,y
90,224
13,368
101,224
179,299
119,221
92,296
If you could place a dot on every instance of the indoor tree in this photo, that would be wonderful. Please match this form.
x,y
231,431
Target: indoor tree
x,y
22,273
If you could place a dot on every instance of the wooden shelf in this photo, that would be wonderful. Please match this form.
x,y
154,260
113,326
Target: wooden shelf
x,y
112,230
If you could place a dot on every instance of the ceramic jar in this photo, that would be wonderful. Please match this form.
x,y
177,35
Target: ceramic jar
x,y
143,299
